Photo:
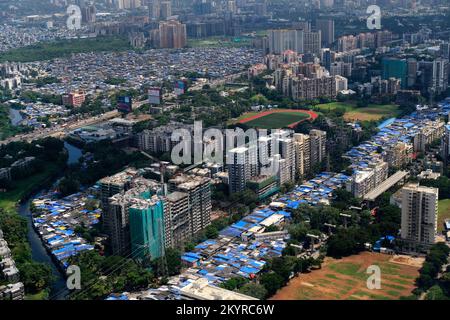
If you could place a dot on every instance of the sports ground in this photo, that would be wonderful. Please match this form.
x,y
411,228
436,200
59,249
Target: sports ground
x,y
372,112
278,118
346,279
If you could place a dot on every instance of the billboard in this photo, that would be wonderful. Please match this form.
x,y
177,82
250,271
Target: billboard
x,y
154,95
180,87
125,104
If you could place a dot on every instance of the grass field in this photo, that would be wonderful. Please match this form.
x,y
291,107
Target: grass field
x,y
8,200
372,112
63,48
443,213
219,42
275,119
345,279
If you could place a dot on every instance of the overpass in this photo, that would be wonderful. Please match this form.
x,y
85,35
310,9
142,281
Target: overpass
x,y
385,185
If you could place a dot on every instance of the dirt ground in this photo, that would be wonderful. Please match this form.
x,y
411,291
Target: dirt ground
x,y
346,279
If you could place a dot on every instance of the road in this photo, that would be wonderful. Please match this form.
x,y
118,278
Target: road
x,y
62,130
218,82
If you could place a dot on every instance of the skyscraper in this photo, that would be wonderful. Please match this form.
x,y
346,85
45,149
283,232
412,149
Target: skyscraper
x,y
318,142
166,9
395,68
312,42
302,153
242,165
117,215
326,27
419,216
147,227
172,34
198,189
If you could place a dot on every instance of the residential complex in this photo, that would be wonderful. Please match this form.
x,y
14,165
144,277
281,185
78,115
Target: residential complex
x,y
419,216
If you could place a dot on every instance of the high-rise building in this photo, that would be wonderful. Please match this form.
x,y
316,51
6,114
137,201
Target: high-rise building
x,y
242,166
412,72
341,83
419,216
117,215
177,222
280,40
172,34
445,50
434,75
154,9
395,68
312,42
318,142
302,88
326,27
166,9
88,13
287,153
302,153
198,189
365,180
147,227
445,144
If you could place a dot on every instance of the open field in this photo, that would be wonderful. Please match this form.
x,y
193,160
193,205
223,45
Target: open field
x,y
345,279
219,42
277,118
63,48
443,213
372,112
21,188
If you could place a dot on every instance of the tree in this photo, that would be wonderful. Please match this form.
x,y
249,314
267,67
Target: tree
x,y
271,282
35,276
346,242
174,263
234,283
436,293
254,290
68,186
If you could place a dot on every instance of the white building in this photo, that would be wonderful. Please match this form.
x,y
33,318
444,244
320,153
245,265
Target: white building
x,y
419,216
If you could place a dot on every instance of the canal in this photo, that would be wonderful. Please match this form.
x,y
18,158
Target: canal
x,y
39,253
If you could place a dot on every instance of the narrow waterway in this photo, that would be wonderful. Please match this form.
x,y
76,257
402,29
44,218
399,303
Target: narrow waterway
x,y
39,253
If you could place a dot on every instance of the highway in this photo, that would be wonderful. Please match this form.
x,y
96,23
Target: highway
x,y
62,130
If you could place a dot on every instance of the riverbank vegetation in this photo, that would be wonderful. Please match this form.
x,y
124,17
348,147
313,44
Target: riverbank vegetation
x,y
50,158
